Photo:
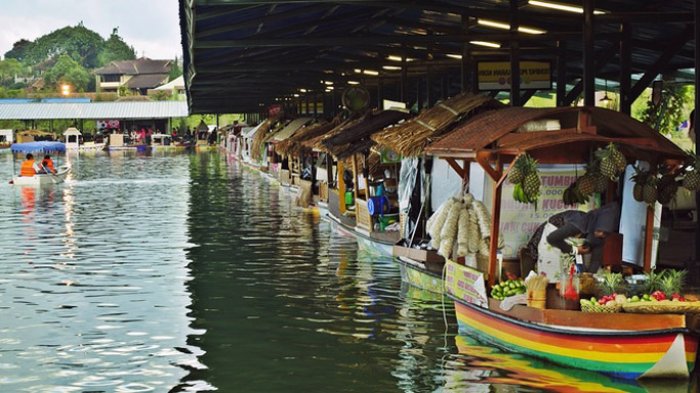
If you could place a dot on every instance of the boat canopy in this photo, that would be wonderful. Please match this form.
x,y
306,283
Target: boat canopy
x,y
44,147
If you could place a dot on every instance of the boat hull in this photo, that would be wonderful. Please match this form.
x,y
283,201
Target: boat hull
x,y
629,346
630,355
43,179
415,274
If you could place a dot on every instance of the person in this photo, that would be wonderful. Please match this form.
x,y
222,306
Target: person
x,y
237,128
29,166
593,226
47,164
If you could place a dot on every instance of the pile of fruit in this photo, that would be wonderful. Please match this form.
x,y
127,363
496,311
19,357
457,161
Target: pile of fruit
x,y
691,180
508,288
526,179
612,162
662,187
609,163
607,303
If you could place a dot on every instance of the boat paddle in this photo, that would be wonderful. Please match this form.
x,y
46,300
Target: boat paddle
x,y
48,172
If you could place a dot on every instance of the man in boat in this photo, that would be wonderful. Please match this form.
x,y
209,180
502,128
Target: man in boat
x,y
29,166
594,227
47,164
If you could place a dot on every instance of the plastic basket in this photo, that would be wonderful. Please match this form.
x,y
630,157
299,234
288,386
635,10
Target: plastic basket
x,y
610,307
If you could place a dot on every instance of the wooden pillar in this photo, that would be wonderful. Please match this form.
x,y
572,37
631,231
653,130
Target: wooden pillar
x,y
495,228
354,175
588,55
561,73
514,56
341,187
625,68
648,238
697,140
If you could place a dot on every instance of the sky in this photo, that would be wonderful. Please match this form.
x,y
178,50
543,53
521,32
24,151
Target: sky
x,y
152,27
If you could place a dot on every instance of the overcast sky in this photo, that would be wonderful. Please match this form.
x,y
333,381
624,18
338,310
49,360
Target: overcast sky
x,y
150,26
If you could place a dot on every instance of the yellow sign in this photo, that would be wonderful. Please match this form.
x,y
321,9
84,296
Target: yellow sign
x,y
495,75
519,221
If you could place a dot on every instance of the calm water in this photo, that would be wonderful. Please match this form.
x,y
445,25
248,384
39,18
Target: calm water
x,y
187,273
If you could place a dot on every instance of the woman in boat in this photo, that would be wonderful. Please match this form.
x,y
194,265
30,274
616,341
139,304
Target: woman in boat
x,y
594,227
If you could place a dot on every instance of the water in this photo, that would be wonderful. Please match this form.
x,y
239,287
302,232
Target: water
x,y
187,273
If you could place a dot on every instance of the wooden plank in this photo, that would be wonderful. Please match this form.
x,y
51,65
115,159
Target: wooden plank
x,y
578,319
455,166
495,229
341,187
483,158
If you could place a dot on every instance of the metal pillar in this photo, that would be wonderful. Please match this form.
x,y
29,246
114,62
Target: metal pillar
x,y
588,55
514,56
466,71
625,69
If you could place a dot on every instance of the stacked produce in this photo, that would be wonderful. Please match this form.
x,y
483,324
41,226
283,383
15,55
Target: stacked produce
x,y
460,227
644,186
508,288
526,179
610,301
612,162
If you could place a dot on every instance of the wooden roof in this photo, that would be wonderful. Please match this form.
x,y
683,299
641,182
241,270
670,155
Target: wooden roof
x,y
582,128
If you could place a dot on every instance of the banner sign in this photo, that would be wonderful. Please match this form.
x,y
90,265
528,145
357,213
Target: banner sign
x,y
495,75
519,221
466,284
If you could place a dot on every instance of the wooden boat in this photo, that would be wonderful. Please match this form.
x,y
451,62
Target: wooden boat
x,y
43,178
420,268
501,368
628,346
622,345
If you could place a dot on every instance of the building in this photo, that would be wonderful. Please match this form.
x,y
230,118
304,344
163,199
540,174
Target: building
x,y
136,75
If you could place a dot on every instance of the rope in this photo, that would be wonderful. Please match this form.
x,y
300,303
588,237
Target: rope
x,y
454,112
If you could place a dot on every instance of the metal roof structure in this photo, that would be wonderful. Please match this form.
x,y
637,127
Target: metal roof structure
x,y
245,54
94,110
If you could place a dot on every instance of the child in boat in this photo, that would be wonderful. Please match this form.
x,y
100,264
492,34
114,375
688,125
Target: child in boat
x,y
47,164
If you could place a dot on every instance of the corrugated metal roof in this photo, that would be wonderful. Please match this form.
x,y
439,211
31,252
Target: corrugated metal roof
x,y
94,110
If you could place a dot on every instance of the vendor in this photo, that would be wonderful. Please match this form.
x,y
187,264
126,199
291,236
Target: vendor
x,y
594,227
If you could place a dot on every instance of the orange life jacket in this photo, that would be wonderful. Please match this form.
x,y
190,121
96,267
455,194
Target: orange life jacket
x,y
48,164
27,168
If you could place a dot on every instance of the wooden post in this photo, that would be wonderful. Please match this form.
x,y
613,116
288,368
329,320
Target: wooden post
x,y
354,173
341,187
648,238
495,229
694,271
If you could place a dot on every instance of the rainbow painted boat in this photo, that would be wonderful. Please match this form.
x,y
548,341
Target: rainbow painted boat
x,y
629,346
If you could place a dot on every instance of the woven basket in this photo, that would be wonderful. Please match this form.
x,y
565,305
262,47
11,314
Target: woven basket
x,y
610,307
662,307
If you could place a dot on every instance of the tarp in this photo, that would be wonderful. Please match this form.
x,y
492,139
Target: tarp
x,y
44,147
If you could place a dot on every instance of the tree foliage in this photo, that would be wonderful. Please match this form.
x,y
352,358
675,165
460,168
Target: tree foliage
x,y
175,70
19,50
8,69
670,113
80,43
67,70
116,49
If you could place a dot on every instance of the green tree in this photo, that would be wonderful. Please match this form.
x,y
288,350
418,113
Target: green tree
x,y
19,50
116,49
67,70
80,43
175,70
8,69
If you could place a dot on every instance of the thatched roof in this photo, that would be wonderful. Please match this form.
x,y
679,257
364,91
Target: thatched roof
x,y
355,137
259,139
293,145
411,137
511,131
